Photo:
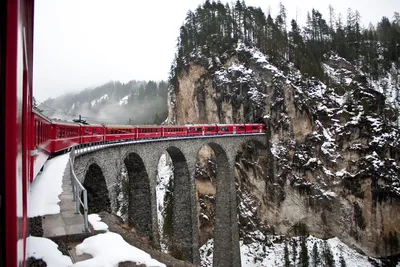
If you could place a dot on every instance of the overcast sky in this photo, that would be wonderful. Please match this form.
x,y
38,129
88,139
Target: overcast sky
x,y
85,43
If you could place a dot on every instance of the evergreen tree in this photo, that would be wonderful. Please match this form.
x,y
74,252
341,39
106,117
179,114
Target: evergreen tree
x,y
294,252
315,256
327,255
304,258
286,251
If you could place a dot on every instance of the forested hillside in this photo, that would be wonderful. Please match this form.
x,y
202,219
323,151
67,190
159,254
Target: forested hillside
x,y
374,50
135,102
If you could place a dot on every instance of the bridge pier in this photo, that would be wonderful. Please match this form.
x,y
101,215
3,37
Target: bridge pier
x,y
226,232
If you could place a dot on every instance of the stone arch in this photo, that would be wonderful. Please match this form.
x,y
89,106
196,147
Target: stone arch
x,y
226,250
96,187
179,214
139,207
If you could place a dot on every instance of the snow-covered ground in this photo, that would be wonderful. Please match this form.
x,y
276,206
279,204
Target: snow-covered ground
x,y
45,249
96,222
270,251
107,250
43,197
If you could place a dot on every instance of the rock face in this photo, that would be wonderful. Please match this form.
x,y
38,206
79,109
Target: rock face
x,y
332,165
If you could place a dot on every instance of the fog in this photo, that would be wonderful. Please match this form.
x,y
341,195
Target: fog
x,y
80,44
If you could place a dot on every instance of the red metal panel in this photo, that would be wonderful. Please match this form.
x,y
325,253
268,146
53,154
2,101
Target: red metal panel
x,y
146,132
18,135
174,131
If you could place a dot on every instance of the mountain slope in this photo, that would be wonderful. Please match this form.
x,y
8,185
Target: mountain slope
x,y
136,102
333,162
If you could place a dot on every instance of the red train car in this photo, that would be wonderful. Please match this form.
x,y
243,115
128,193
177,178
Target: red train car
x,y
255,128
42,141
65,135
231,128
174,131
202,129
145,132
91,133
16,62
120,132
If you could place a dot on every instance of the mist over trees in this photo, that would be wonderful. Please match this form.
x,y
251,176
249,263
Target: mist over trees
x,y
217,26
135,102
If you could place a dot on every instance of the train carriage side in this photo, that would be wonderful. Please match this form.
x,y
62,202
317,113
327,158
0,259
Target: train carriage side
x,y
231,128
91,133
148,131
255,128
115,133
174,131
65,135
42,141
202,129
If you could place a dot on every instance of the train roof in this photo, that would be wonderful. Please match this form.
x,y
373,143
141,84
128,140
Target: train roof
x,y
173,126
116,126
200,125
39,113
63,122
91,125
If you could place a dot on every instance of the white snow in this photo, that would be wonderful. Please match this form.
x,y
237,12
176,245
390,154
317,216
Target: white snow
x,y
44,191
165,174
96,222
109,249
45,249
96,101
206,253
270,251
124,100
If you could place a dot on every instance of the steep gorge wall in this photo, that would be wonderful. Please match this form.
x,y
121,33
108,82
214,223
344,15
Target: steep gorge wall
x,y
332,167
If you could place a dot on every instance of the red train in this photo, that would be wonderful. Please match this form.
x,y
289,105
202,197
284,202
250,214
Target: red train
x,y
54,136
29,138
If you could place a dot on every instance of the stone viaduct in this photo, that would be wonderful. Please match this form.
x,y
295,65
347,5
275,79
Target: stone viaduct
x,y
141,160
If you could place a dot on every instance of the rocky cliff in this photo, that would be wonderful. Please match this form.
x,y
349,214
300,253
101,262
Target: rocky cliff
x,y
332,167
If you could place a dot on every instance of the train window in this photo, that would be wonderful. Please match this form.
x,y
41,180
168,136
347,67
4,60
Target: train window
x,y
87,131
225,129
254,127
210,129
241,128
36,131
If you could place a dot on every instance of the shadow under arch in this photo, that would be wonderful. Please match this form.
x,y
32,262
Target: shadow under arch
x,y
97,192
181,222
139,207
226,232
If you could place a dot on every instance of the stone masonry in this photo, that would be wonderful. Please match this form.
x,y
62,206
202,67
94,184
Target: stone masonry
x,y
141,161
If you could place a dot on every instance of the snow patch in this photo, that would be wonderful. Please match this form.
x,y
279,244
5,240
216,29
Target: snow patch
x,y
124,100
96,222
109,249
45,249
44,191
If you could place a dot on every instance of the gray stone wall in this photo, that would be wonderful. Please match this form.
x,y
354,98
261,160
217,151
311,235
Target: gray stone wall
x,y
143,170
